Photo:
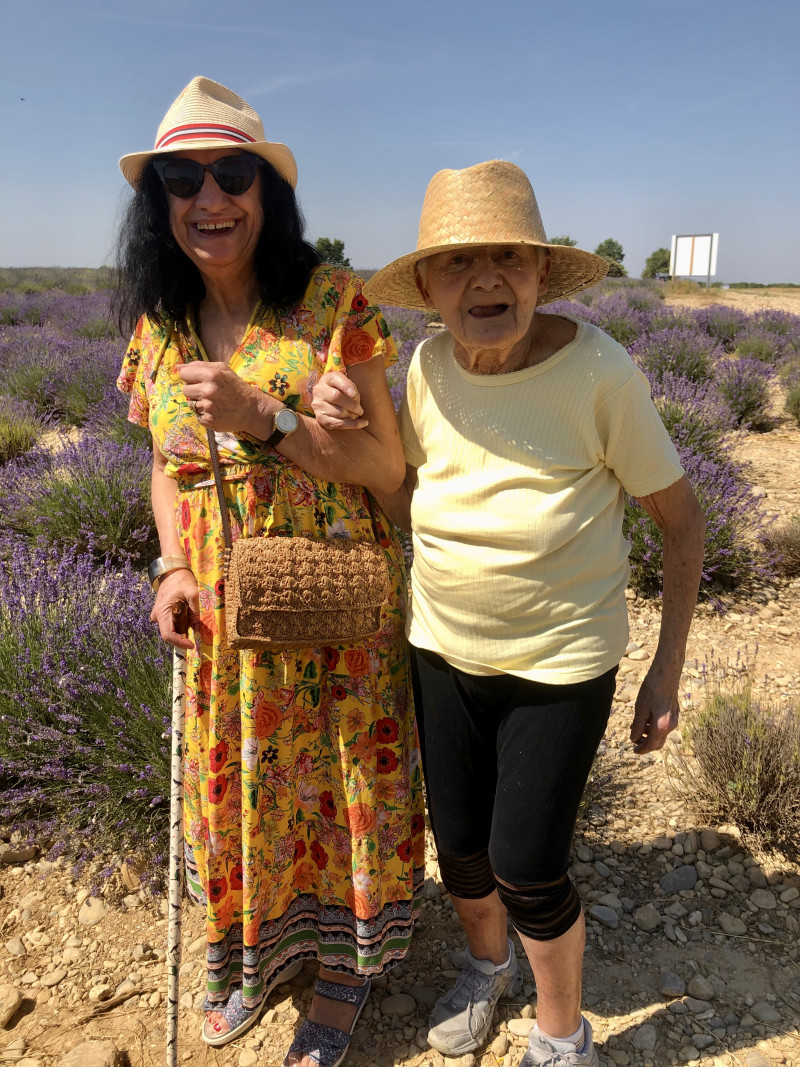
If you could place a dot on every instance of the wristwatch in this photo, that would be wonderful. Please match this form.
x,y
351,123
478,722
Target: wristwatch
x,y
284,422
163,566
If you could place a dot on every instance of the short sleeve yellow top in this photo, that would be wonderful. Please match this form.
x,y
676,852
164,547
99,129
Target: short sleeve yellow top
x,y
520,565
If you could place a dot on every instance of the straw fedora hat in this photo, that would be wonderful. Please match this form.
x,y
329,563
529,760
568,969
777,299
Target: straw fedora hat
x,y
491,203
208,115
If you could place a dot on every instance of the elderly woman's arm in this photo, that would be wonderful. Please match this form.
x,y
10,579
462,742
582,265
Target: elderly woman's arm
x,y
370,455
682,524
397,506
337,406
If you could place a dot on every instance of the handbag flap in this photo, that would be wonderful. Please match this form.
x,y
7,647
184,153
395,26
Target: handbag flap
x,y
301,574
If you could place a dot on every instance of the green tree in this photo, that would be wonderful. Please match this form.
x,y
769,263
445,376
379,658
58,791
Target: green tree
x,y
615,269
610,250
657,263
332,251
563,239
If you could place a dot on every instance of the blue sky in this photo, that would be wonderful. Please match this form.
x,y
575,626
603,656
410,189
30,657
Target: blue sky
x,y
634,119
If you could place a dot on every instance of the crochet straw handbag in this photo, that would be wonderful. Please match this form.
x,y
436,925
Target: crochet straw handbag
x,y
298,592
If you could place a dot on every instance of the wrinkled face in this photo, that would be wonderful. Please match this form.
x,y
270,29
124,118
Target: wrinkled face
x,y
217,231
486,295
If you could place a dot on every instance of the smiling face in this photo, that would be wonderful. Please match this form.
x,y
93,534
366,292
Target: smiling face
x,y
486,295
217,231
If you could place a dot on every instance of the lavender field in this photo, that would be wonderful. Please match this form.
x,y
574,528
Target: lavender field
x,y
84,681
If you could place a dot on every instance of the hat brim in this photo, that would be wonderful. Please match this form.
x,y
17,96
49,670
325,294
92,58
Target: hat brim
x,y
571,270
279,155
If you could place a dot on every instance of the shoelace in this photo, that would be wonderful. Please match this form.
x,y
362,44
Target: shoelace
x,y
556,1059
467,987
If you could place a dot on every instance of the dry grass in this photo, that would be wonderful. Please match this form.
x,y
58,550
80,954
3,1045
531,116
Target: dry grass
x,y
783,540
741,764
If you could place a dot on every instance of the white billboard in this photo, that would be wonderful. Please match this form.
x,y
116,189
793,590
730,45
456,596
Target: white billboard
x,y
693,255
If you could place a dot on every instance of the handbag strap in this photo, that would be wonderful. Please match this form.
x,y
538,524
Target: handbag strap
x,y
223,508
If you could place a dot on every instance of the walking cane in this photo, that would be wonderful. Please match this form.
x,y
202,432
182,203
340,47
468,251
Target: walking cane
x,y
175,848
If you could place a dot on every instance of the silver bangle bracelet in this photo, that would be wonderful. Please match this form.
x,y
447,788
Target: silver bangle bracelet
x,y
163,566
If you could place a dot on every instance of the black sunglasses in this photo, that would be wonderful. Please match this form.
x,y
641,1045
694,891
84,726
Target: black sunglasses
x,y
184,177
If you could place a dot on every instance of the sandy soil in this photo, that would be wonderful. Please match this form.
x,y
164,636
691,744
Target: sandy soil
x,y
749,300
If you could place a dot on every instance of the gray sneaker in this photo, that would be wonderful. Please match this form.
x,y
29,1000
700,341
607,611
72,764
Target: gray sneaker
x,y
541,1053
460,1020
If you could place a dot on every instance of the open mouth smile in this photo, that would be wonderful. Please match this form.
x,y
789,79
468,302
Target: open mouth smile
x,y
488,311
216,227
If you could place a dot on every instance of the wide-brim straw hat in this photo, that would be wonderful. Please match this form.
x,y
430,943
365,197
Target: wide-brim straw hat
x,y
209,115
490,203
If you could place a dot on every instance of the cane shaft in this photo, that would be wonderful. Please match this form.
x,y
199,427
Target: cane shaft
x,y
175,854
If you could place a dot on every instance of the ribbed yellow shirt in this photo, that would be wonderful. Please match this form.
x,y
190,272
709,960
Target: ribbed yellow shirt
x,y
520,565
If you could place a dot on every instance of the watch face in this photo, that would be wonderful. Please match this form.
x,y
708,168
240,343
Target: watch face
x,y
286,420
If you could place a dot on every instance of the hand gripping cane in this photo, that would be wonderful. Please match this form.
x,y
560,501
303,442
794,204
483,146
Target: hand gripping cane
x,y
175,848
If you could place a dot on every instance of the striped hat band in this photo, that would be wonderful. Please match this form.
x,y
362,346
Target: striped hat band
x,y
207,115
193,132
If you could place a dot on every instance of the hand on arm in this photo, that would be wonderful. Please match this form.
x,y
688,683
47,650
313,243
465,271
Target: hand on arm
x,y
678,515
371,455
337,403
177,603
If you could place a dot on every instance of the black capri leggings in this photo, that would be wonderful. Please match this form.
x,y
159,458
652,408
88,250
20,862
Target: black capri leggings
x,y
506,761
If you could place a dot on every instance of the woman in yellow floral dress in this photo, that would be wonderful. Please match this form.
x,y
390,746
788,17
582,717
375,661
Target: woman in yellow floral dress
x,y
303,810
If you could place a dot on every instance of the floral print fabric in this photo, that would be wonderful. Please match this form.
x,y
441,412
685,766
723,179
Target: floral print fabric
x,y
303,805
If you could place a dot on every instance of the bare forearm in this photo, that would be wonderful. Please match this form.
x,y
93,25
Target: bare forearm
x,y
336,455
397,506
370,455
163,491
683,526
683,562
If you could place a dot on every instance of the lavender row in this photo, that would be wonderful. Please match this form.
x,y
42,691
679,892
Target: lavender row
x,y
84,697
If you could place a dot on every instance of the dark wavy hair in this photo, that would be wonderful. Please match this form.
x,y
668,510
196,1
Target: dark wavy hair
x,y
156,278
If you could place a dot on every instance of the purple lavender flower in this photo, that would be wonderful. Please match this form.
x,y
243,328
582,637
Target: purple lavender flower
x,y
744,385
84,691
694,413
721,322
407,324
20,427
93,494
684,353
60,375
618,319
734,523
780,322
758,341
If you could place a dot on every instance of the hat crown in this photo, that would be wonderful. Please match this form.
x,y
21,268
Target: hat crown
x,y
206,107
490,203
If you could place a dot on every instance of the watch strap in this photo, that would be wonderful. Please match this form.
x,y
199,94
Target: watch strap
x,y
274,438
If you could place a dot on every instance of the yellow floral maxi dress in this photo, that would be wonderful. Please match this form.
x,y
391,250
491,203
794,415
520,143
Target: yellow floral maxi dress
x,y
303,803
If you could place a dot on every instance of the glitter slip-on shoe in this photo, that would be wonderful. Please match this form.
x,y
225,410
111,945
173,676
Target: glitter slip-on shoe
x,y
327,1045
237,1016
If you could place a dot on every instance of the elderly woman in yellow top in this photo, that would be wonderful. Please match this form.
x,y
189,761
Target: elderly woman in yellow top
x,y
521,430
